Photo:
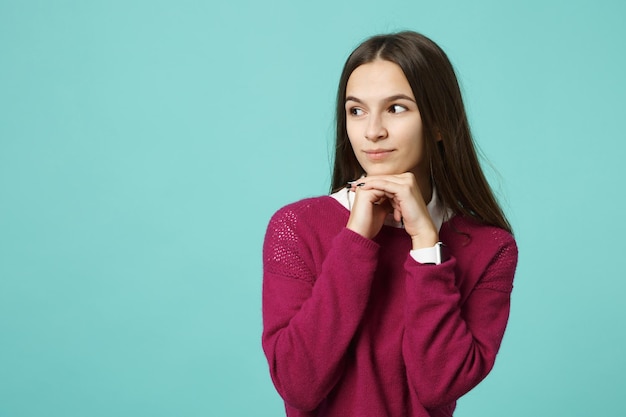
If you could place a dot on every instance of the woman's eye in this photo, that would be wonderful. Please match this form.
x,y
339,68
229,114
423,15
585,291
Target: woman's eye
x,y
355,111
397,108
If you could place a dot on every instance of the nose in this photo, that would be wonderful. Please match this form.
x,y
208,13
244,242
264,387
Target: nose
x,y
375,129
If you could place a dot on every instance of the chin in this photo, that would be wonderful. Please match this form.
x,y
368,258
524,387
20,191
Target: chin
x,y
384,171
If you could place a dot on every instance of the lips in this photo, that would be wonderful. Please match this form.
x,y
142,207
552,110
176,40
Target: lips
x,y
378,154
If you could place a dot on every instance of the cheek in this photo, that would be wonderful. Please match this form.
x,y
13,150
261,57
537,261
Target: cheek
x,y
415,134
350,129
352,135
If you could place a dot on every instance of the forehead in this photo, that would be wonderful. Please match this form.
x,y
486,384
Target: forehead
x,y
378,79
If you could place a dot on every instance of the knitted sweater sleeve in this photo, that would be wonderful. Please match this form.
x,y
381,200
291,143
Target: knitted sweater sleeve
x,y
450,344
310,317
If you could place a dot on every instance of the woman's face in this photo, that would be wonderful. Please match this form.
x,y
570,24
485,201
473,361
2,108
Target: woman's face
x,y
383,122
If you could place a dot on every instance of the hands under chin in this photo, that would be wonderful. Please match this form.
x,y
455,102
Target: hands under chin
x,y
377,196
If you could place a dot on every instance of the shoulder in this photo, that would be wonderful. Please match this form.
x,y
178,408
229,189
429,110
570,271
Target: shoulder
x,y
306,218
306,204
308,210
470,232
480,247
299,230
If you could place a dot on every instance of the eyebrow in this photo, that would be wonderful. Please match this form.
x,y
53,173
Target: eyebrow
x,y
388,99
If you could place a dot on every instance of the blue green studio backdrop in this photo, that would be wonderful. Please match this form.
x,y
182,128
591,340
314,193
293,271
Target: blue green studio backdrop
x,y
144,146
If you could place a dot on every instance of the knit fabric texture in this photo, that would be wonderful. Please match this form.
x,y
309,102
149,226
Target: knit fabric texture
x,y
357,327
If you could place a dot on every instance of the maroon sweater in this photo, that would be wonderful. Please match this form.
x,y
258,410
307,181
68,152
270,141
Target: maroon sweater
x,y
357,327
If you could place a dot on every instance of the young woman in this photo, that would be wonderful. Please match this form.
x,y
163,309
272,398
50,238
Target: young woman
x,y
390,296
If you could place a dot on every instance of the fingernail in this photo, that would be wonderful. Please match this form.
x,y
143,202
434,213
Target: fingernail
x,y
361,184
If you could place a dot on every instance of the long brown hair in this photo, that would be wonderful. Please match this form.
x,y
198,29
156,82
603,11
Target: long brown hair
x,y
456,172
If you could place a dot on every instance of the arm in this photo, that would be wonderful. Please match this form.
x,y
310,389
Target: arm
x,y
449,347
309,321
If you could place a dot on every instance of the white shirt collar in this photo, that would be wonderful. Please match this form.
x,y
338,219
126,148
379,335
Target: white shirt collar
x,y
437,212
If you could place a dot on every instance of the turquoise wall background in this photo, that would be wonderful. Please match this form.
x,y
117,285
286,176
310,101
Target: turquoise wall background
x,y
145,144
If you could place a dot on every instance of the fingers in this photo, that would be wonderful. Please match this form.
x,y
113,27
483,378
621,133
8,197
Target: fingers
x,y
392,188
402,192
368,212
392,184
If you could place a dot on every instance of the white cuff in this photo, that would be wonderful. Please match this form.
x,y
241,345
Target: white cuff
x,y
433,255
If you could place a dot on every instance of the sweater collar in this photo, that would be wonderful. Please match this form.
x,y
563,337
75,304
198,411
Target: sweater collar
x,y
438,213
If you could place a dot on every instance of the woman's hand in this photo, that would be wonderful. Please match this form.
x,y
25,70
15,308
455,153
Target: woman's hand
x,y
378,195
